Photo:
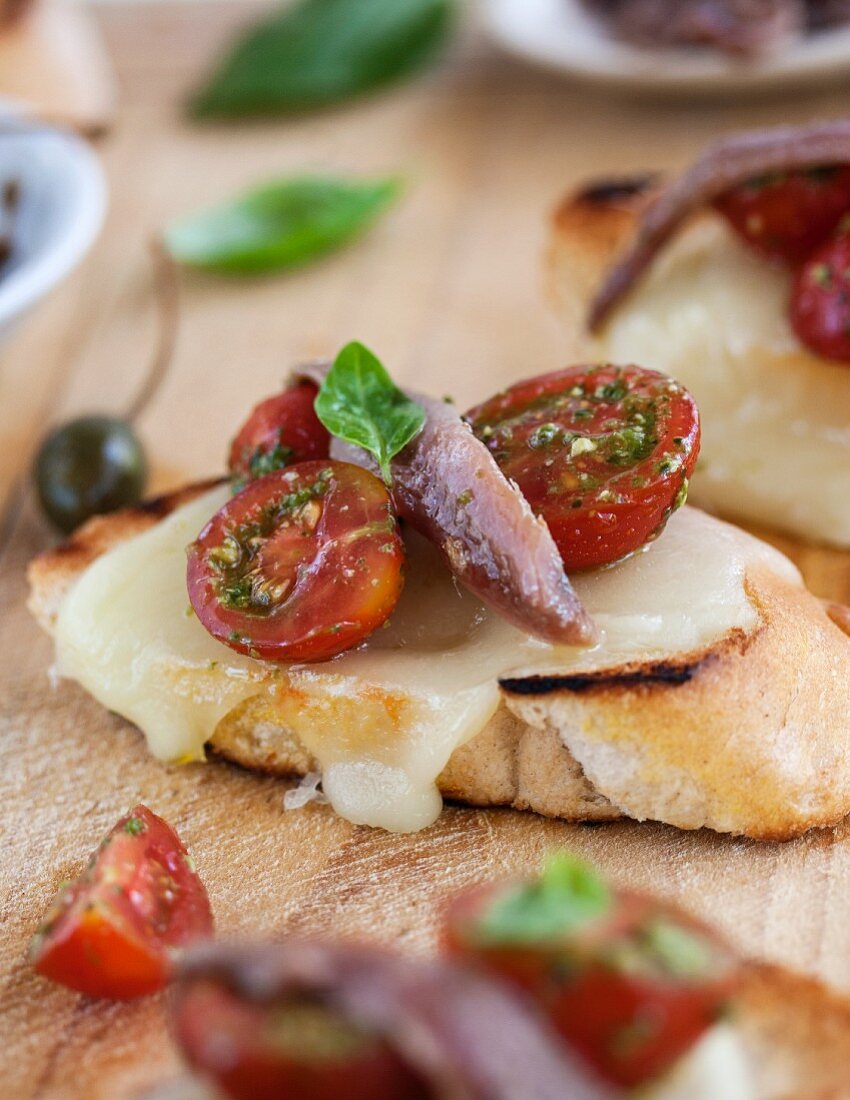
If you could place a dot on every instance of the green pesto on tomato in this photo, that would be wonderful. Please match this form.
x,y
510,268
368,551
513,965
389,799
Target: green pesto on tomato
x,y
300,565
602,453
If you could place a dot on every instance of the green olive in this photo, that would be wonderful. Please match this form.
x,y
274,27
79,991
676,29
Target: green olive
x,y
90,465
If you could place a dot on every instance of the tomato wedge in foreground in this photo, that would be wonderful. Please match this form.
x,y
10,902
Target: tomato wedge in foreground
x,y
300,565
820,300
629,983
280,431
787,215
286,1052
111,933
603,454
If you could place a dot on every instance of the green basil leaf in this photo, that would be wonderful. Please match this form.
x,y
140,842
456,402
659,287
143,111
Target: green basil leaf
x,y
279,226
360,403
676,950
322,51
565,895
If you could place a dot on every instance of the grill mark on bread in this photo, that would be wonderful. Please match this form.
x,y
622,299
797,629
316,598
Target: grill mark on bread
x,y
668,673
637,674
97,535
159,507
612,192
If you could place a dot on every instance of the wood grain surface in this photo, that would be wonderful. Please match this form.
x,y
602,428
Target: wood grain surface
x,y
447,289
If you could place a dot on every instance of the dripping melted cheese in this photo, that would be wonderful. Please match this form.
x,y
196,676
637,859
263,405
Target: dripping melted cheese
x,y
383,720
775,418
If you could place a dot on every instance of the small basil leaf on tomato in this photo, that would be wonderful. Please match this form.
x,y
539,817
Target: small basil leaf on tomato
x,y
566,894
279,226
322,51
360,404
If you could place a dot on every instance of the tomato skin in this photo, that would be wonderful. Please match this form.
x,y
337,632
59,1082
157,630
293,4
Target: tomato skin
x,y
628,1026
233,1042
820,301
111,933
786,216
280,431
328,562
604,502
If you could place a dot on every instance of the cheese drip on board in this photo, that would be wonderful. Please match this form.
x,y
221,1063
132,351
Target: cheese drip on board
x,y
382,720
775,418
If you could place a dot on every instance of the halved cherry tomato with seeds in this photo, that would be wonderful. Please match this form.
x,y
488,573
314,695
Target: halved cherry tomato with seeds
x,y
630,984
300,1051
112,932
820,300
280,431
300,565
787,215
603,454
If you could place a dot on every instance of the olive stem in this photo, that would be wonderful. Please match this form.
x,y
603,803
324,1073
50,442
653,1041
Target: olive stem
x,y
166,287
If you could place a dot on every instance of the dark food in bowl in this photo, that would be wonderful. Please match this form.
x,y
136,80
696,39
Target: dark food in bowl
x,y
827,13
10,198
738,27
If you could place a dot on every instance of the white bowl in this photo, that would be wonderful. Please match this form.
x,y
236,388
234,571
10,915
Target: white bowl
x,y
559,35
61,207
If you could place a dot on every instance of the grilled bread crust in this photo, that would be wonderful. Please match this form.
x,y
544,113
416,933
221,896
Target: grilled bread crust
x,y
749,735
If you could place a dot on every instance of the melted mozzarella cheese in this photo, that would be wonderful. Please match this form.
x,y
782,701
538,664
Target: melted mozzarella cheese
x,y
775,418
382,720
716,1068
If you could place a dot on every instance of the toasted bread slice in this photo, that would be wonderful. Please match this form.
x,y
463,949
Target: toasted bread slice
x,y
750,735
589,228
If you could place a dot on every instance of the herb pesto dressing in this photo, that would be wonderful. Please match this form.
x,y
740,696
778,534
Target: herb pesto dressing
x,y
382,720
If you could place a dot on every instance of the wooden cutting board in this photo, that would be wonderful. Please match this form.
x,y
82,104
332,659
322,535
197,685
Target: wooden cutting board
x,y
447,290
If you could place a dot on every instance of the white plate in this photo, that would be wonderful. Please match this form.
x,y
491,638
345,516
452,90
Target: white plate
x,y
60,211
559,35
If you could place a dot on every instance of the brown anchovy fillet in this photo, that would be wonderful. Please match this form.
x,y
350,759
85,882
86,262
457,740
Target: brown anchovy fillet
x,y
726,164
745,28
447,485
467,1036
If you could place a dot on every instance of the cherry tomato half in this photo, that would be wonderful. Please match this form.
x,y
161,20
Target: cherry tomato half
x,y
603,454
820,300
290,1051
300,565
111,933
280,431
786,216
630,991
